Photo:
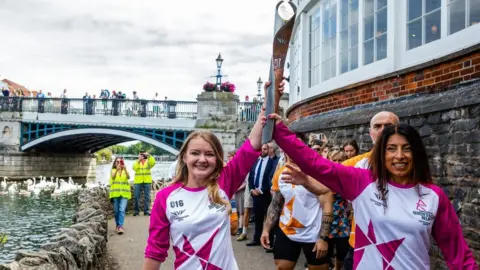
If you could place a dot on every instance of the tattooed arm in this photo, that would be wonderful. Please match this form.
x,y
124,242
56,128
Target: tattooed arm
x,y
273,215
274,210
326,202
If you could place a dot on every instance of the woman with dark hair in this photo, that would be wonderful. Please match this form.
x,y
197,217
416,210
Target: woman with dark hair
x,y
350,147
120,192
396,205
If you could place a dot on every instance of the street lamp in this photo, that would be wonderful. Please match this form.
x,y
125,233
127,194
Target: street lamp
x,y
259,84
219,75
219,61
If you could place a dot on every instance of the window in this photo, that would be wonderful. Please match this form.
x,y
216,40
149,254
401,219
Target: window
x,y
462,14
314,49
375,31
423,22
329,44
297,55
348,35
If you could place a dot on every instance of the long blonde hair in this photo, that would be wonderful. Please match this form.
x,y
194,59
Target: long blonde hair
x,y
211,181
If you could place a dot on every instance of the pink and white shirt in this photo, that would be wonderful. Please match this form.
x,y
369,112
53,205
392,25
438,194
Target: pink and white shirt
x,y
397,238
198,228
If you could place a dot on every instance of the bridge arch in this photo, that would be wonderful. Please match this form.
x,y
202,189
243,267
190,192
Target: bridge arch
x,y
88,140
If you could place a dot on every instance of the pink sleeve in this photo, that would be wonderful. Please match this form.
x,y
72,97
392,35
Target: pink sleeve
x,y
234,173
158,241
349,182
447,232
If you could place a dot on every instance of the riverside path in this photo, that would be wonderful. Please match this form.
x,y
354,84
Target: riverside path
x,y
126,251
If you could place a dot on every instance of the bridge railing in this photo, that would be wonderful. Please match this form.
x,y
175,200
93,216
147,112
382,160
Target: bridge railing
x,y
115,107
246,111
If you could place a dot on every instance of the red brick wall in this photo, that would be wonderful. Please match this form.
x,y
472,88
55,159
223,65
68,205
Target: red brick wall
x,y
434,78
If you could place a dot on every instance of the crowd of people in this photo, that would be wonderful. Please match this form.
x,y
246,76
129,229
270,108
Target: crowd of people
x,y
104,94
375,210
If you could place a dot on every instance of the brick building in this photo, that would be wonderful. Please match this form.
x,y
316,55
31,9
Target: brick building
x,y
418,58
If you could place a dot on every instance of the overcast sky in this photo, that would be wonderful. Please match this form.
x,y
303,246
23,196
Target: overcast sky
x,y
146,45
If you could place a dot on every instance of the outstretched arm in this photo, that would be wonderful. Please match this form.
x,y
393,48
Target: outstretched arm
x,y
296,177
347,181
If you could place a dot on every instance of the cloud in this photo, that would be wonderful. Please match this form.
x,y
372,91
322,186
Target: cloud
x,y
149,46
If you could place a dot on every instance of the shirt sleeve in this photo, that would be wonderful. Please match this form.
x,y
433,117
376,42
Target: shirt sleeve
x,y
447,232
158,241
349,182
275,179
236,170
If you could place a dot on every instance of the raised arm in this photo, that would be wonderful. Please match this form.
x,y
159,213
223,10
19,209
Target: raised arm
x,y
151,161
347,181
447,232
135,166
234,173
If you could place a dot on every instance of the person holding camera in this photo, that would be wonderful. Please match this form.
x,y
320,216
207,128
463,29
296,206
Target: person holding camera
x,y
143,181
119,192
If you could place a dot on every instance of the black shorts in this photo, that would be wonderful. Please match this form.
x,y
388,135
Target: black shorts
x,y
341,246
286,249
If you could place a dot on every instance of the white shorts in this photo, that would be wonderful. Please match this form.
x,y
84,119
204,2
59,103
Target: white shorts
x,y
248,203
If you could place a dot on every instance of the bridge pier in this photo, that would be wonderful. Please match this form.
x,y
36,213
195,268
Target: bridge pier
x,y
21,166
18,165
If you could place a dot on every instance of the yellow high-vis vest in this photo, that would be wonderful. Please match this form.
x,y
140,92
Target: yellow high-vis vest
x,y
142,171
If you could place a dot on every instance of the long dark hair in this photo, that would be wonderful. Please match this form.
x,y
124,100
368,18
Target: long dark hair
x,y
354,144
421,170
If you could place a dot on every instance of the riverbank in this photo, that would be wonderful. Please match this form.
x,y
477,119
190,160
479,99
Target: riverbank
x,y
83,245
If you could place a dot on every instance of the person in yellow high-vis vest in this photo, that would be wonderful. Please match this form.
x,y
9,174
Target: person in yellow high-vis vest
x,y
143,181
120,192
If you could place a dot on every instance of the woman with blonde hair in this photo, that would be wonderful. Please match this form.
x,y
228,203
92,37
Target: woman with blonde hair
x,y
193,212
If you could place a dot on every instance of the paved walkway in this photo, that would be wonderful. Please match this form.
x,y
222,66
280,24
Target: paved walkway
x,y
128,249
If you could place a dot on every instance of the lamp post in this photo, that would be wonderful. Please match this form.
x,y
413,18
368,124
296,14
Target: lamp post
x,y
259,94
219,75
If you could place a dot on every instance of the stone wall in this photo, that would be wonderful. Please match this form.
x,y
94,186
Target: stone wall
x,y
20,166
449,124
81,246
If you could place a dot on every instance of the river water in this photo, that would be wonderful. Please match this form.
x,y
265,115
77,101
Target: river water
x,y
29,222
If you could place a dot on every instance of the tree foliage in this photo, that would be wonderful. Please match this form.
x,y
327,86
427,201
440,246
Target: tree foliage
x,y
134,149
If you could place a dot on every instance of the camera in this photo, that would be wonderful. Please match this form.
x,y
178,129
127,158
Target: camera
x,y
121,162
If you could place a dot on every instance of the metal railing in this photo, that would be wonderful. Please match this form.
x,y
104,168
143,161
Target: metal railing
x,y
246,111
115,107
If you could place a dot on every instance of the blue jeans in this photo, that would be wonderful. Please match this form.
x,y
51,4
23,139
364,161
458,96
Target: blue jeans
x,y
119,206
146,194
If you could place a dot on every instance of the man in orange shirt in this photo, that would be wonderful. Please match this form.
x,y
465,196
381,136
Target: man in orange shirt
x,y
377,123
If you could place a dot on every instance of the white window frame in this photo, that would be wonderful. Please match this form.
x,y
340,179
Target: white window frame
x,y
314,73
297,61
331,57
374,37
349,41
422,18
467,15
